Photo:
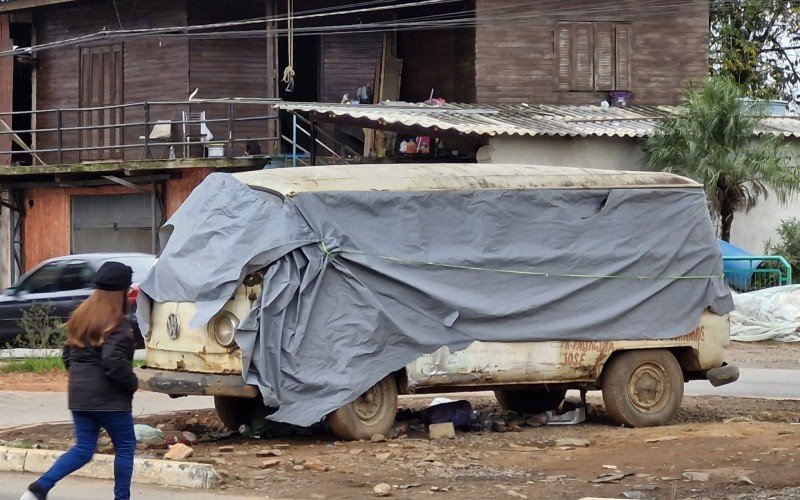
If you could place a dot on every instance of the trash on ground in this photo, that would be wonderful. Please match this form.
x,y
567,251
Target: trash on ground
x,y
611,477
696,476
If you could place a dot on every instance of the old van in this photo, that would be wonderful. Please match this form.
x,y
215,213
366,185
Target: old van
x,y
594,313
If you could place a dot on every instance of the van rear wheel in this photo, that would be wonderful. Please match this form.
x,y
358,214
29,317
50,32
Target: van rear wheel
x,y
530,400
372,413
643,388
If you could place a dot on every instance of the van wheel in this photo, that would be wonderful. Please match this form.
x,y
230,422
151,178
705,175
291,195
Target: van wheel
x,y
530,401
372,413
643,388
234,412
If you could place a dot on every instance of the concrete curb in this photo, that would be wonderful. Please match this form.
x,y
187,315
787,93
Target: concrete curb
x,y
145,470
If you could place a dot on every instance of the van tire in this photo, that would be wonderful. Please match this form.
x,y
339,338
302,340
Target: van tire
x,y
530,401
643,388
372,413
234,412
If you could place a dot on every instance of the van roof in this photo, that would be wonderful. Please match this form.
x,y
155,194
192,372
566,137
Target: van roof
x,y
450,177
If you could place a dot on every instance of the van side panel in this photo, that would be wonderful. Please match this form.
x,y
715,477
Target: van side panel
x,y
501,363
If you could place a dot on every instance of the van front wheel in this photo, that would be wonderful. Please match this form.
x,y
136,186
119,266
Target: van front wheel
x,y
372,413
643,388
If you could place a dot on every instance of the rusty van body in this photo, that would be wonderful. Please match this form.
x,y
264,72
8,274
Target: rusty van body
x,y
642,381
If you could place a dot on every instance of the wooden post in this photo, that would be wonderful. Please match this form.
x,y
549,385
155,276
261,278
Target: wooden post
x,y
6,86
273,125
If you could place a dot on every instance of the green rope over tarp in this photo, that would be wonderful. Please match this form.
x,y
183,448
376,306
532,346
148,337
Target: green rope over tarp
x,y
401,260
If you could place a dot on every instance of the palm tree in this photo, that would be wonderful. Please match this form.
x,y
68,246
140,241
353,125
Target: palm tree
x,y
711,139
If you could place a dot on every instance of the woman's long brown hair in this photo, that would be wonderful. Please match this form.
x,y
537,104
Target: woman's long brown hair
x,y
96,318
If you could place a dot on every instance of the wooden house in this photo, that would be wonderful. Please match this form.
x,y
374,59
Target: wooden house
x,y
122,107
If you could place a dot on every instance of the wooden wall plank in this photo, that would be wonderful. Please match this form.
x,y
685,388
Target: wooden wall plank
x,y
154,68
348,62
516,60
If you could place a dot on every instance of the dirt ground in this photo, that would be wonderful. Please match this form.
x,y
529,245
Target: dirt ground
x,y
734,441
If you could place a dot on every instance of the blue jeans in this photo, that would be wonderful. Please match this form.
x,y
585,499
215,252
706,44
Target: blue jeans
x,y
119,425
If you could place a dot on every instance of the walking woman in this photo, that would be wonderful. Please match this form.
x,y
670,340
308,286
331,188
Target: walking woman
x,y
98,355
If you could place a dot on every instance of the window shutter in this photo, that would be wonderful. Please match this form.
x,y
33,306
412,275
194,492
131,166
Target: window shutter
x,y
604,56
623,56
563,45
582,69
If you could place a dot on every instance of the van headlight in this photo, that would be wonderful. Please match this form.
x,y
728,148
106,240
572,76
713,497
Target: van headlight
x,y
223,326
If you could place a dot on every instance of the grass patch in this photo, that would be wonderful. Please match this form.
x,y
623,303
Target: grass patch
x,y
32,365
39,365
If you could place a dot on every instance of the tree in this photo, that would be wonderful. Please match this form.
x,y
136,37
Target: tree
x,y
711,139
755,43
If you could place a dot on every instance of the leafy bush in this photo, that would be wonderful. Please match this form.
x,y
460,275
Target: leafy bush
x,y
42,328
788,245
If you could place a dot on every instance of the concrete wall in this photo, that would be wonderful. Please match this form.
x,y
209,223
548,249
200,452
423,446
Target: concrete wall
x,y
749,231
752,229
612,153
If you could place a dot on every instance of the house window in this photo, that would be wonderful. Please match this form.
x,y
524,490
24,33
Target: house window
x,y
593,56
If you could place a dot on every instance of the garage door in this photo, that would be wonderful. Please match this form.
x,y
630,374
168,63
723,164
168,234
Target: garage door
x,y
113,223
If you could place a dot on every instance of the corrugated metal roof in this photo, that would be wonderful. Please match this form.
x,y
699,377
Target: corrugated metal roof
x,y
523,119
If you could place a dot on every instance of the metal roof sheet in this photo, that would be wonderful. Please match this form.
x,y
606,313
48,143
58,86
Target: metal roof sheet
x,y
450,177
522,119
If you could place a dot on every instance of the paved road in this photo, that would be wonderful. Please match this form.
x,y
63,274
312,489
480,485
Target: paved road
x,y
12,485
753,382
32,408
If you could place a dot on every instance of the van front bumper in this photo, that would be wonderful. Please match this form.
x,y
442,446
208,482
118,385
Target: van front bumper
x,y
177,383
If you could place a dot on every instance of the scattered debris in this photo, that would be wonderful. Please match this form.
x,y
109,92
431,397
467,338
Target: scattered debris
x,y
579,443
611,477
612,467
382,490
269,453
382,457
637,495
743,480
378,438
696,476
226,449
316,465
516,494
661,439
179,451
442,431
272,462
410,485
576,416
735,420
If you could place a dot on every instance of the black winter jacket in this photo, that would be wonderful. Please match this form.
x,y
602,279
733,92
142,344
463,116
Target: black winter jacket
x,y
101,378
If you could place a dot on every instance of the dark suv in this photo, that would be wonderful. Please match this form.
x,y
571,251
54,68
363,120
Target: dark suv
x,y
64,282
